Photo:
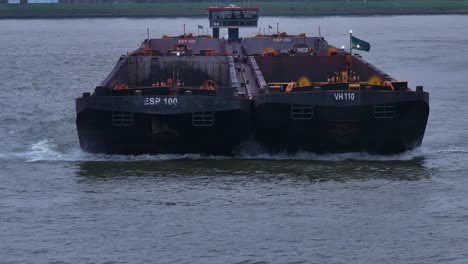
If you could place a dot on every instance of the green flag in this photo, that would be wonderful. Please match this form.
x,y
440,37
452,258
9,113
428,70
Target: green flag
x,y
360,44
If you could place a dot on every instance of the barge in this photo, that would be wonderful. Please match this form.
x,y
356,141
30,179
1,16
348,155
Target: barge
x,y
206,94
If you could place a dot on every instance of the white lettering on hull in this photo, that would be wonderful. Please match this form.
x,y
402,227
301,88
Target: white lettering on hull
x,y
345,96
167,101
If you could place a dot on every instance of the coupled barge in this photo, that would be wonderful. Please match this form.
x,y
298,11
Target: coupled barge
x,y
135,112
205,94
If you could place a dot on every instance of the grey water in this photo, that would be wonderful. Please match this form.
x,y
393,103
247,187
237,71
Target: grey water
x,y
61,205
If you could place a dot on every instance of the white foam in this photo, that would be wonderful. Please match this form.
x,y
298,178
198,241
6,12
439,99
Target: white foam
x,y
409,155
251,150
452,151
48,150
44,150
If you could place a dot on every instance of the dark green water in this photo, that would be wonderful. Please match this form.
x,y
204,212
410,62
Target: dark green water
x,y
61,205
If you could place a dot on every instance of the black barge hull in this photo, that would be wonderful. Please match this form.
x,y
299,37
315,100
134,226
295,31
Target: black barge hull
x,y
341,121
162,124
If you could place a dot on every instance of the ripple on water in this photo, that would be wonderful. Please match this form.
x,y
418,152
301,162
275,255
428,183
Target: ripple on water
x,y
61,205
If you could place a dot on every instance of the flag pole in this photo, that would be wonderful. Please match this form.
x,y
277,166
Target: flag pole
x,y
350,53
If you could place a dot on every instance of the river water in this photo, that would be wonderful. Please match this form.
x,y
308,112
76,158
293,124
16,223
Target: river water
x,y
61,205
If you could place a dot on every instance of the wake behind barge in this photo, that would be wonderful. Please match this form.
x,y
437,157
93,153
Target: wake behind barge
x,y
203,94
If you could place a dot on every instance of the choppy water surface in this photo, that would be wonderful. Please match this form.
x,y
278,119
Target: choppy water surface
x,y
61,205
